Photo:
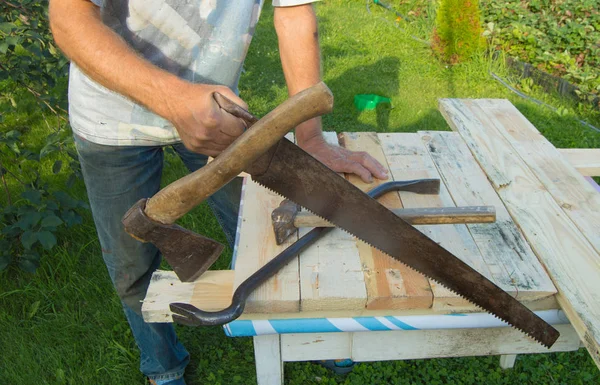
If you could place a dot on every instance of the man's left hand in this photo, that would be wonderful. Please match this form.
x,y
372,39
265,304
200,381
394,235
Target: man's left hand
x,y
340,159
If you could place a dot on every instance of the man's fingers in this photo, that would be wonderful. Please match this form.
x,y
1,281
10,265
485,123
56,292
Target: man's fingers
x,y
371,164
231,126
358,169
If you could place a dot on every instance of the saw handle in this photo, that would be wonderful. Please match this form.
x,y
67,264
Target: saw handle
x,y
175,200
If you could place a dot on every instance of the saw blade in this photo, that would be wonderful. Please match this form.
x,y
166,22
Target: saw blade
x,y
298,176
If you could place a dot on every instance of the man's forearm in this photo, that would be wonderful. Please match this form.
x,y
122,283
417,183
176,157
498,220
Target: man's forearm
x,y
105,57
300,56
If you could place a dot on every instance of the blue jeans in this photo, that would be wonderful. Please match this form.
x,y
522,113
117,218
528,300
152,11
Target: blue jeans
x,y
116,177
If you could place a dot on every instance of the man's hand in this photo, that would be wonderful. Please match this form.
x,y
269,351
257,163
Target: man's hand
x,y
340,159
202,125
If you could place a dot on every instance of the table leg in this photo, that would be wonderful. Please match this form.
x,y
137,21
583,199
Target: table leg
x,y
507,361
267,355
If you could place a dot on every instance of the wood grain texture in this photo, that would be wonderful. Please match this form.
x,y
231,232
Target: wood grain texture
x,y
571,261
576,196
408,159
212,291
256,246
418,216
331,273
585,160
390,284
514,266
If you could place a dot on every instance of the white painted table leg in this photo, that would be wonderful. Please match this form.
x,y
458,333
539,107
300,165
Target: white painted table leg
x,y
507,361
267,354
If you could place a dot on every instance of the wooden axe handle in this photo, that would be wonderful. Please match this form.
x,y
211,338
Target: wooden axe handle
x,y
175,200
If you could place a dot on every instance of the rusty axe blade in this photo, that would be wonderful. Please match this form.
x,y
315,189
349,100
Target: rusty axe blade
x,y
151,220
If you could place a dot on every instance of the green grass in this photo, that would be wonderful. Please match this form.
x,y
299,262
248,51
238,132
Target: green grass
x,y
64,324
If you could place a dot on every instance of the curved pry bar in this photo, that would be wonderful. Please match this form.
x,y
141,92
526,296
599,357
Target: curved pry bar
x,y
189,315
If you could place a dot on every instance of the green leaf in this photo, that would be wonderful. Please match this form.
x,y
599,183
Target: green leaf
x,y
65,200
47,149
71,218
33,309
5,260
7,27
29,220
28,239
33,196
57,166
29,263
47,239
51,221
3,47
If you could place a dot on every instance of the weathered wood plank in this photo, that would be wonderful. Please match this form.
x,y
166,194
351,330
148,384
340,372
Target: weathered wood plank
x,y
571,261
408,159
578,199
418,344
505,250
256,246
212,291
585,160
390,284
331,274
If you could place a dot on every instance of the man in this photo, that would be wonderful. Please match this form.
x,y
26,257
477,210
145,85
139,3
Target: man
x,y
142,77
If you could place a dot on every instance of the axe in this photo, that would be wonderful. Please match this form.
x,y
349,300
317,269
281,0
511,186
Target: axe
x,y
152,219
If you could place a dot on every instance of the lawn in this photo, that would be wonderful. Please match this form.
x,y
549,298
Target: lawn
x,y
64,324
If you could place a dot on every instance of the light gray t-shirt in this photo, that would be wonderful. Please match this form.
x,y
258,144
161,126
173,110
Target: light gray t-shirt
x,y
203,41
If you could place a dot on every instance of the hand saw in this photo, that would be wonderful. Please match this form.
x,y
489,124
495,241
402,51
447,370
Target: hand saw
x,y
296,175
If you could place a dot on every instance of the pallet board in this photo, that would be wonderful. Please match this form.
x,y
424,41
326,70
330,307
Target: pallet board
x,y
512,263
331,274
532,197
255,246
390,284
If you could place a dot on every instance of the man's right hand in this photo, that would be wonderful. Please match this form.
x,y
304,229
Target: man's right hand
x,y
203,126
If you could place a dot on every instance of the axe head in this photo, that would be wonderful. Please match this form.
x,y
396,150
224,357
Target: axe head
x,y
188,253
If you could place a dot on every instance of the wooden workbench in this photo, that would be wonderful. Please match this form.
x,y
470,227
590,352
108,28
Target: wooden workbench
x,y
546,240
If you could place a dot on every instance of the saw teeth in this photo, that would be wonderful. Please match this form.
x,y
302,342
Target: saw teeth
x,y
413,269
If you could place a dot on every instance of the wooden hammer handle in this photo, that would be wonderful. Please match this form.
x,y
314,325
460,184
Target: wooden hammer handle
x,y
418,216
175,200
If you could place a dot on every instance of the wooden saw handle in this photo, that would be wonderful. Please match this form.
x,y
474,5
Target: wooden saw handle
x,y
175,200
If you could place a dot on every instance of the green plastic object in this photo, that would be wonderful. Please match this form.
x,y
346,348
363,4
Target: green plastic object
x,y
369,101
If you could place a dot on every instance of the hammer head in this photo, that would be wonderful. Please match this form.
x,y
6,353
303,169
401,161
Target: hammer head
x,y
188,253
283,220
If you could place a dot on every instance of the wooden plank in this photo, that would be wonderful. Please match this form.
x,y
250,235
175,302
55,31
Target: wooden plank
x,y
316,346
331,274
212,291
585,160
418,344
571,261
390,284
256,246
267,355
577,197
507,361
505,250
408,159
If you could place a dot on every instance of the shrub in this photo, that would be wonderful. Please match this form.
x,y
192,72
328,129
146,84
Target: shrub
x,y
457,35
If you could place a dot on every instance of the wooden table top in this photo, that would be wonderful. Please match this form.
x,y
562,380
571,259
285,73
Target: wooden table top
x,y
342,275
546,239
